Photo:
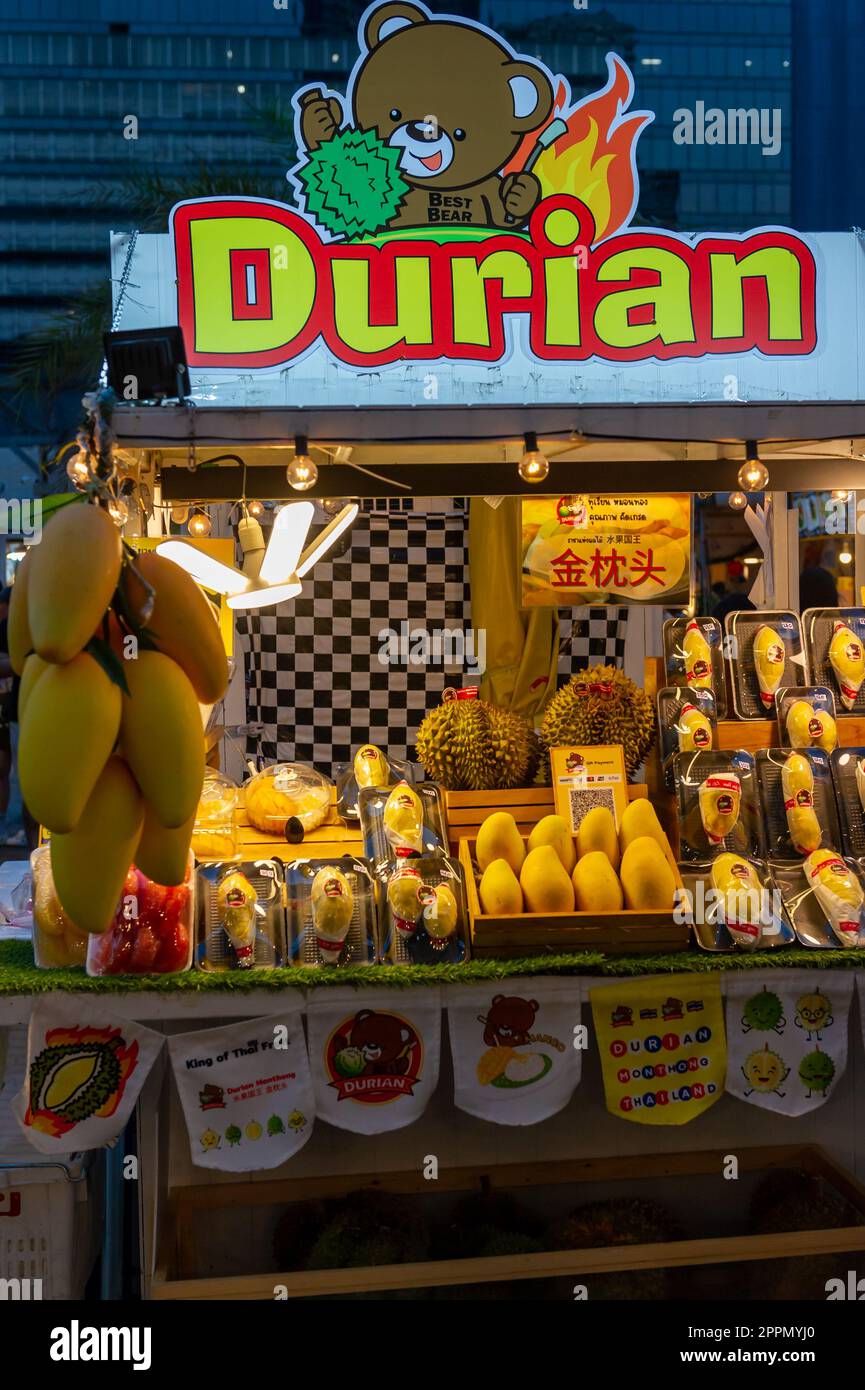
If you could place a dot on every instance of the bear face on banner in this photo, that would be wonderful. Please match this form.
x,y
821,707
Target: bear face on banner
x,y
509,1021
453,102
374,1057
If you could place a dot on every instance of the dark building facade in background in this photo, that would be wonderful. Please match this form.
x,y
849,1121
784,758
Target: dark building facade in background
x,y
192,73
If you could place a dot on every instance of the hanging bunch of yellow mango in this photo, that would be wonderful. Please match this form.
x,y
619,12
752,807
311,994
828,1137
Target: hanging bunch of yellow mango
x,y
114,652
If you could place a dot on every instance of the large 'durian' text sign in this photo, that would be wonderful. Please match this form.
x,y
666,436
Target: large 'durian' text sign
x,y
465,234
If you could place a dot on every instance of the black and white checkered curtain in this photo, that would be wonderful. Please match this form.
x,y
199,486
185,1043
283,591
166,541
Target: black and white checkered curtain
x,y
315,681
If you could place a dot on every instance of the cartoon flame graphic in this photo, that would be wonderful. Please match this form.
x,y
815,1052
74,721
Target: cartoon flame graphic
x,y
595,160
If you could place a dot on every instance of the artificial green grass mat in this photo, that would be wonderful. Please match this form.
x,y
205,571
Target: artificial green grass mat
x,y
20,975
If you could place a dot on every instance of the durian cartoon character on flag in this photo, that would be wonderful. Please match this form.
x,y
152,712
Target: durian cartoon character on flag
x,y
663,1047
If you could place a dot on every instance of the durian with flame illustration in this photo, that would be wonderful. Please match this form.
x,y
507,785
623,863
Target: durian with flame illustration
x,y
332,908
797,783
440,913
693,729
237,900
808,727
847,659
402,819
698,657
371,767
736,880
839,893
404,890
720,800
769,657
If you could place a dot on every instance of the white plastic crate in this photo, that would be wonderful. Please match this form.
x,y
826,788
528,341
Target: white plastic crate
x,y
49,1216
46,1233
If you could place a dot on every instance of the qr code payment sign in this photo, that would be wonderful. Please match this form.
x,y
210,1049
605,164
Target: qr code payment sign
x,y
584,799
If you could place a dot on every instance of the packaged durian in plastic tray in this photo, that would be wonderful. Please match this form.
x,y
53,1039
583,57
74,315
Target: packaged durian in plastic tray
x,y
330,910
422,911
824,899
686,724
797,802
241,916
733,904
717,804
835,646
370,767
766,654
402,820
694,657
806,717
848,775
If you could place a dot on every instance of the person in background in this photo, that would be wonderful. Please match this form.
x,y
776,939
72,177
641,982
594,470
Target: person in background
x,y
817,587
737,596
20,829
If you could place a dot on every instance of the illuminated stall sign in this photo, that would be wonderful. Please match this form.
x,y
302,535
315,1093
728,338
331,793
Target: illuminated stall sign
x,y
484,222
595,550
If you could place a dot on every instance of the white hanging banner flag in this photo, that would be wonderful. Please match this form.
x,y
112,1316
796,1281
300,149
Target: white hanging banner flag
x,y
787,1036
85,1070
246,1091
374,1055
515,1048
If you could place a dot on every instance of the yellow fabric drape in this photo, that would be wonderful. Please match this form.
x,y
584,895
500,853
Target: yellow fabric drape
x,y
521,646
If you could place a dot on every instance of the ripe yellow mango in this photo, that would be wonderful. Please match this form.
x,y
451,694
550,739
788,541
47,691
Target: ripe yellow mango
x,y
546,887
18,630
647,877
68,729
162,854
90,863
500,892
72,575
596,886
640,818
161,737
552,830
182,623
597,831
34,667
499,838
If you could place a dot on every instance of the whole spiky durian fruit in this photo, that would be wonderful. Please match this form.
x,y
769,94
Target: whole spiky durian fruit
x,y
620,1221
601,705
470,745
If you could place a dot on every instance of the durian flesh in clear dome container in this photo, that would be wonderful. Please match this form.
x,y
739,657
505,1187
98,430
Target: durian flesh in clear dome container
x,y
214,834
287,790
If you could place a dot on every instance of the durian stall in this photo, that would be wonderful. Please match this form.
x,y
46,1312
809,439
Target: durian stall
x,y
419,857
508,869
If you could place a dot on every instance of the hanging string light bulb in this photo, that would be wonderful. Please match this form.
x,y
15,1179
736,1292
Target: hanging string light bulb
x,y
301,473
78,470
753,475
199,524
118,510
738,501
255,509
534,466
180,514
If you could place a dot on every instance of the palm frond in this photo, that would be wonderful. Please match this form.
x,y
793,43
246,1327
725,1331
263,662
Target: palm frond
x,y
148,198
66,349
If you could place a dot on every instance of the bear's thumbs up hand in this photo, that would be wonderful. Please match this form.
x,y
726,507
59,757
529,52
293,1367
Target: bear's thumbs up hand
x,y
320,118
519,195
